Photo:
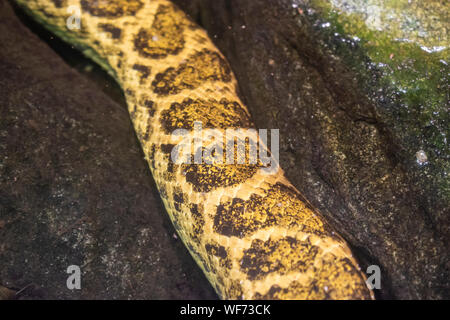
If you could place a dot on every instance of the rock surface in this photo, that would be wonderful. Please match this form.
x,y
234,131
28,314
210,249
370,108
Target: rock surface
x,y
75,188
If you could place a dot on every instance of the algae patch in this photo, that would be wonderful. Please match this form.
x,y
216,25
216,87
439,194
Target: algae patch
x,y
400,50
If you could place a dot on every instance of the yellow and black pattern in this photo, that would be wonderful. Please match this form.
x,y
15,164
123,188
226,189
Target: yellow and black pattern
x,y
251,232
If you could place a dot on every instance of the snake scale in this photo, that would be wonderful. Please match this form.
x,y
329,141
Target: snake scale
x,y
252,232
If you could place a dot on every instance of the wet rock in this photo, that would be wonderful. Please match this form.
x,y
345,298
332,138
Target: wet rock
x,y
75,188
354,106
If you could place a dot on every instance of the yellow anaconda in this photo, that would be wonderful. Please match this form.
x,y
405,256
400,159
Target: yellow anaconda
x,y
249,229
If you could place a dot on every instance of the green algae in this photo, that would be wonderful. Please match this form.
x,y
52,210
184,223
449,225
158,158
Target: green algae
x,y
400,50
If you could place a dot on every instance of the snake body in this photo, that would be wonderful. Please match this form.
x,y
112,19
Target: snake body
x,y
252,232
